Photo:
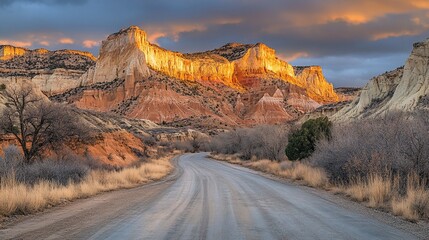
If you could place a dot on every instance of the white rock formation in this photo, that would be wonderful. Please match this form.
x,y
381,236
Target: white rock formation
x,y
399,90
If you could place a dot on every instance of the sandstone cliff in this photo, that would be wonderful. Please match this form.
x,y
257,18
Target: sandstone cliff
x,y
129,55
52,71
311,78
7,52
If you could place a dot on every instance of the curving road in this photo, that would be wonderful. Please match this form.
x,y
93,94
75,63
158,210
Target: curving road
x,y
205,199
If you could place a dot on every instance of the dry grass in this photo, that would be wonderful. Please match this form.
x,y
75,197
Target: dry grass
x,y
384,193
18,198
376,191
265,165
415,203
311,176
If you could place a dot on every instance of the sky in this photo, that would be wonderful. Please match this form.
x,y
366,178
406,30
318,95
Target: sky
x,y
353,40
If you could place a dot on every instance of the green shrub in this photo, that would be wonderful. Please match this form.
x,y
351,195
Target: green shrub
x,y
302,142
2,87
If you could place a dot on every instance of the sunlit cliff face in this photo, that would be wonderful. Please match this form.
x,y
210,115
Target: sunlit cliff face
x,y
8,52
129,55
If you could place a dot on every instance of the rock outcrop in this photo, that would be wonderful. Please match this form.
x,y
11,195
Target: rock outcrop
x,y
269,110
312,79
52,71
7,52
414,84
403,89
375,94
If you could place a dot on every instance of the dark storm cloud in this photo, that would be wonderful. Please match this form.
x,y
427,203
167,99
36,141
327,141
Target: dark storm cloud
x,y
56,2
352,40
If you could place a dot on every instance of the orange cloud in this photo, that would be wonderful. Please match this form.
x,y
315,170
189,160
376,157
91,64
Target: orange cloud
x,y
225,21
90,43
353,12
174,30
423,4
290,58
153,37
379,36
15,43
44,43
66,41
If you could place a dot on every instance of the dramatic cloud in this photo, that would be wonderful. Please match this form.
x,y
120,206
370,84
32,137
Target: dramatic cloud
x,y
352,40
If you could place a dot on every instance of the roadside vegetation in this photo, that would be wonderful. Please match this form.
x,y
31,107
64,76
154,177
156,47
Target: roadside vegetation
x,y
53,183
39,169
383,163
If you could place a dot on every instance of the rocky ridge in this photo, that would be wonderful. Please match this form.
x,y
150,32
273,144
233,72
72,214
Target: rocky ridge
x,y
52,71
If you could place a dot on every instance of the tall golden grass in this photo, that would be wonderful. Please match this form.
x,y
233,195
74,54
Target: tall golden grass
x,y
18,198
376,191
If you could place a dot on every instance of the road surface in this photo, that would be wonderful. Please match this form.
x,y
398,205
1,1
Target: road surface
x,y
205,199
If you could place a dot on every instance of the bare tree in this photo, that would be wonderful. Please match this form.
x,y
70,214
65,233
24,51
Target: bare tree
x,y
38,124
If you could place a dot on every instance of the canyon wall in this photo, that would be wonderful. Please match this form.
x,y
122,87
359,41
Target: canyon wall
x,y
403,89
129,55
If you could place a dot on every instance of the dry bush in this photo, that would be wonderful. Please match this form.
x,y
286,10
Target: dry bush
x,y
185,146
382,162
20,198
261,142
67,168
395,144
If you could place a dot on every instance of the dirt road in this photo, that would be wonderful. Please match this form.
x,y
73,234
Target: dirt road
x,y
206,199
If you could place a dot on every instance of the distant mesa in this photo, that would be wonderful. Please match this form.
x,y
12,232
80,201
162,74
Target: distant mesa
x,y
8,52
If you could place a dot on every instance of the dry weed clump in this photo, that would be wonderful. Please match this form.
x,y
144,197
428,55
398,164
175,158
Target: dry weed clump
x,y
377,190
312,176
414,204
